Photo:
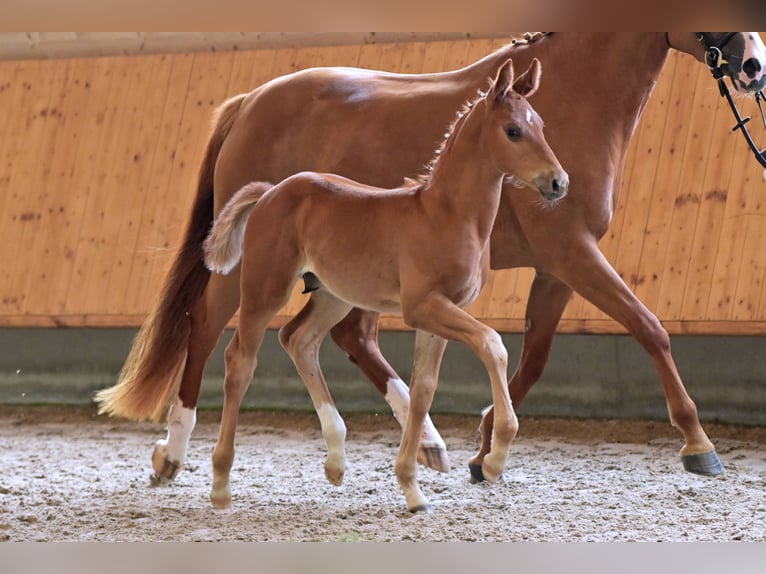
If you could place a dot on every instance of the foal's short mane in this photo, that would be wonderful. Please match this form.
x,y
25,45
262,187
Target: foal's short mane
x,y
524,40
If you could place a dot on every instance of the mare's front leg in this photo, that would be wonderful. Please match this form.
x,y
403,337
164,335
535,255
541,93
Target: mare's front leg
x,y
357,336
591,275
301,338
429,350
208,320
548,297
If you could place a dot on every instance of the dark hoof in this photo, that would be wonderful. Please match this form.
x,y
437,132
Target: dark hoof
x,y
477,474
705,464
423,508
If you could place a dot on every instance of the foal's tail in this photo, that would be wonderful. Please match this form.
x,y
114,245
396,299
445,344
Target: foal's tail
x,y
223,247
157,359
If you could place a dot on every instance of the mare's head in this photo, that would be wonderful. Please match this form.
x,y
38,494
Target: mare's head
x,y
516,143
739,55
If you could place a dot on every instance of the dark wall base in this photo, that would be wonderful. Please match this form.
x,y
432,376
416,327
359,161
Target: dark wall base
x,y
596,376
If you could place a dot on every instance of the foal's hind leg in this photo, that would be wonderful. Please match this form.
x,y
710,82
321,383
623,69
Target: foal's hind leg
x,y
357,336
429,350
301,338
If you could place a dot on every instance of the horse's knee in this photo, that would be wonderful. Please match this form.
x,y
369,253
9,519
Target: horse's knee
x,y
651,335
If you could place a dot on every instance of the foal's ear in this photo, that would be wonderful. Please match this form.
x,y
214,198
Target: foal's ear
x,y
503,81
528,82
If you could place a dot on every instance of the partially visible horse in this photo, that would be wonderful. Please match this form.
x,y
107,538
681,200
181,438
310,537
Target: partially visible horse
x,y
385,126
421,249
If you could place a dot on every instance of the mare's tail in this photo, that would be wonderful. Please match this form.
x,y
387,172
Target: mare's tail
x,y
156,362
223,247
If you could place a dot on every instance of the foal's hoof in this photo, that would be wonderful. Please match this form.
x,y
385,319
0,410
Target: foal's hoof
x,y
707,464
434,457
164,468
334,475
421,509
220,500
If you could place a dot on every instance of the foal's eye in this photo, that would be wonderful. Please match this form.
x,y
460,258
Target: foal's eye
x,y
513,133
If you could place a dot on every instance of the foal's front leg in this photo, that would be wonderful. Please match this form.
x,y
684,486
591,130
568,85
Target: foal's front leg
x,y
437,314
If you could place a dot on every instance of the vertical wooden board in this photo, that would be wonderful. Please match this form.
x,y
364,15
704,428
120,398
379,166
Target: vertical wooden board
x,y
743,190
13,92
503,294
39,168
708,238
65,201
391,57
143,286
758,176
284,60
687,201
478,49
209,79
103,125
524,278
263,67
369,56
646,153
241,79
123,201
305,58
412,58
667,181
747,295
345,56
435,53
456,56
141,156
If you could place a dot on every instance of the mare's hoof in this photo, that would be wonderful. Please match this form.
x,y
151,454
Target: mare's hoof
x,y
164,468
434,457
477,474
422,509
707,464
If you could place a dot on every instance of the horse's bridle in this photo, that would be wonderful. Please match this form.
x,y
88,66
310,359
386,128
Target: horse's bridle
x,y
714,59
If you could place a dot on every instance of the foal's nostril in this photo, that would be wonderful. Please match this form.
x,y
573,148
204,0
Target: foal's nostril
x,y
751,67
556,186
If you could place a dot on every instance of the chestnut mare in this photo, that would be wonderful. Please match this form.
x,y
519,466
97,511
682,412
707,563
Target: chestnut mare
x,y
421,249
378,127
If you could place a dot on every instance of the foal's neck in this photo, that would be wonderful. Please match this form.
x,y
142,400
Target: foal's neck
x,y
464,179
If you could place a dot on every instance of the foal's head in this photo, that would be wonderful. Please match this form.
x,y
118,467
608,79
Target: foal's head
x,y
516,142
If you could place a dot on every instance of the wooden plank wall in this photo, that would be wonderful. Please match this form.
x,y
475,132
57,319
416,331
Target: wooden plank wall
x,y
98,159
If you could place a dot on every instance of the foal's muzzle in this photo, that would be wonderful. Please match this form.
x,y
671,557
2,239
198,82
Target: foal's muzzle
x,y
553,186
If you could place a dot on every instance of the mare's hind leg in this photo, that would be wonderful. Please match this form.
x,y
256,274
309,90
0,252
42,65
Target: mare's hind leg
x,y
301,338
357,336
208,319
